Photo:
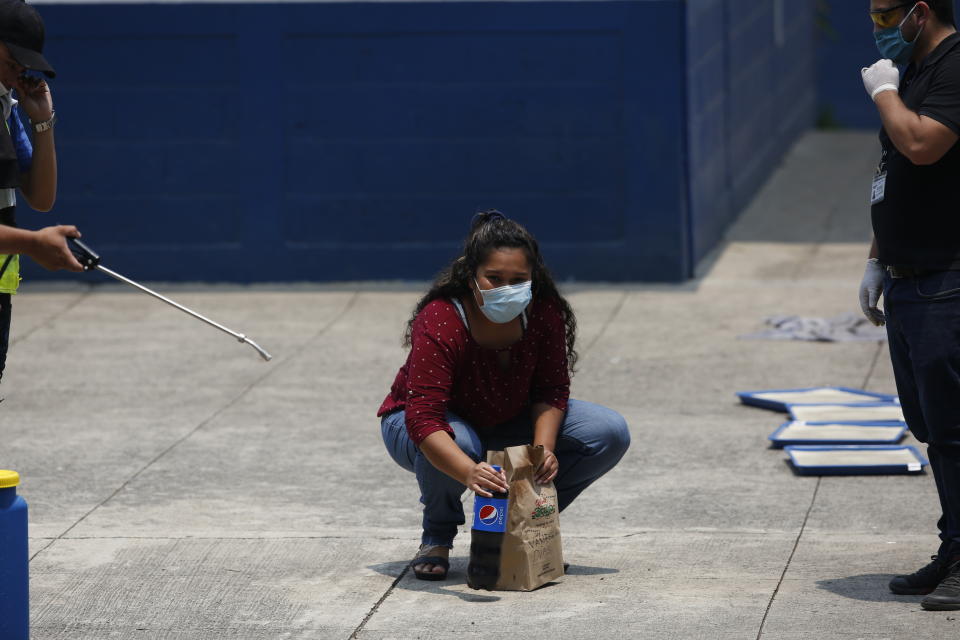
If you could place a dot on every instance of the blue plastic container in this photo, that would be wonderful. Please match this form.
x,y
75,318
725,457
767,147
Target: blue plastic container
x,y
14,561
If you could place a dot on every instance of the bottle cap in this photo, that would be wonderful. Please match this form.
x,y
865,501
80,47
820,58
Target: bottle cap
x,y
8,479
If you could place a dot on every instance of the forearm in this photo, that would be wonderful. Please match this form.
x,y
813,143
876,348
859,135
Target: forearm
x,y
444,454
40,183
14,240
546,424
874,251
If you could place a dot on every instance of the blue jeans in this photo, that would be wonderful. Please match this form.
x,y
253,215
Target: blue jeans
x,y
923,326
592,440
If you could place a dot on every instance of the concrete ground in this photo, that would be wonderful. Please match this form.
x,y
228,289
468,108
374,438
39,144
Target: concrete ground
x,y
180,488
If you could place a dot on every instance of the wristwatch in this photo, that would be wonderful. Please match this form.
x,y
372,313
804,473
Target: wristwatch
x,y
46,125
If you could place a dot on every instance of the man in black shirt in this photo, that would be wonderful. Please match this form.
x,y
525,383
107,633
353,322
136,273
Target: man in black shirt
x,y
915,258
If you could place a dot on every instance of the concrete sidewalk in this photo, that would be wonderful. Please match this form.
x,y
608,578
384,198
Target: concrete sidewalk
x,y
180,488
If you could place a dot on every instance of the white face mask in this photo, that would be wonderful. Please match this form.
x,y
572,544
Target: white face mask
x,y
503,304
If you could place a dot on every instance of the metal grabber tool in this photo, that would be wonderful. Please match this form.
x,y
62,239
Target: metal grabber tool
x,y
90,260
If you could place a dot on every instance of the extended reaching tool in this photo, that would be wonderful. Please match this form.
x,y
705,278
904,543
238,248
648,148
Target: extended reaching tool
x,y
90,260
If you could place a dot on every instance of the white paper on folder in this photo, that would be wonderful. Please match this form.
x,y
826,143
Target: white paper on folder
x,y
824,395
799,431
845,413
855,457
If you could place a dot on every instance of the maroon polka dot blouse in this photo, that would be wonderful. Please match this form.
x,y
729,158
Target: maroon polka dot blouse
x,y
447,370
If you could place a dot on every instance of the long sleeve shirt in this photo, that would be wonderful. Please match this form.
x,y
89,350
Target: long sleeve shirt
x,y
446,370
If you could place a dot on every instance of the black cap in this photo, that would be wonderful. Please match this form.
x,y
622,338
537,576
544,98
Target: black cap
x,y
21,29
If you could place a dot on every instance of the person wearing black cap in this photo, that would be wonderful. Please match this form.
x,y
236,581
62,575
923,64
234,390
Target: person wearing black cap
x,y
30,166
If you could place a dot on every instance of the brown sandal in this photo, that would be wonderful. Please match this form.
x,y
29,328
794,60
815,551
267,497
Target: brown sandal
x,y
438,561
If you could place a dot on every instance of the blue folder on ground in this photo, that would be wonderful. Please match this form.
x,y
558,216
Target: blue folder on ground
x,y
834,433
855,460
859,412
778,399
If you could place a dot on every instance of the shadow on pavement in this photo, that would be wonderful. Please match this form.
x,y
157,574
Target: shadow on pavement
x,y
457,577
581,570
870,587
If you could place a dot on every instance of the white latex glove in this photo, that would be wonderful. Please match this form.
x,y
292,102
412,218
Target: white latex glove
x,y
870,289
882,75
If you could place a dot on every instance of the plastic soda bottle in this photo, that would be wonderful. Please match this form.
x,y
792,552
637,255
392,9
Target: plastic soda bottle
x,y
14,561
486,537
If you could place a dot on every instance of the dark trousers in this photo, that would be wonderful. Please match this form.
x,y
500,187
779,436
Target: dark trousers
x,y
923,325
5,308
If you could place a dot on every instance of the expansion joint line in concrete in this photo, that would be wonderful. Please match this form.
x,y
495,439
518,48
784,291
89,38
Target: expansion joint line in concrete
x,y
271,371
873,365
831,224
376,607
603,330
803,265
59,314
813,500
796,544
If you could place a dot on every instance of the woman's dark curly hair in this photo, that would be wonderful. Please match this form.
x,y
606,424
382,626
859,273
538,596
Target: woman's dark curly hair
x,y
489,231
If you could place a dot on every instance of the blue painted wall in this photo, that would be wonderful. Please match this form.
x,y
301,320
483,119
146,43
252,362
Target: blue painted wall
x,y
338,141
748,66
844,45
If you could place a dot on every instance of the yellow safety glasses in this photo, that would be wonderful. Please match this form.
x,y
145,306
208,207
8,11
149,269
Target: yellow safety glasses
x,y
889,17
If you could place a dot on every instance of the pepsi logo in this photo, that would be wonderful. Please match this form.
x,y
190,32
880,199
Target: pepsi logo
x,y
488,514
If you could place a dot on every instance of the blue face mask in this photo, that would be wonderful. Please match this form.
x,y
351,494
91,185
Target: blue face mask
x,y
503,304
891,44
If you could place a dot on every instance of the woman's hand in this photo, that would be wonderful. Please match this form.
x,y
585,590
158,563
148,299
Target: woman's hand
x,y
548,470
485,481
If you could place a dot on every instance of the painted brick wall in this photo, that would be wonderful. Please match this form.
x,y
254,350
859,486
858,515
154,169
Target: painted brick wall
x,y
337,141
750,73
844,44
332,141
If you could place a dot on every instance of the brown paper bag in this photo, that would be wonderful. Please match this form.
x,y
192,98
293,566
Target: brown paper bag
x,y
531,555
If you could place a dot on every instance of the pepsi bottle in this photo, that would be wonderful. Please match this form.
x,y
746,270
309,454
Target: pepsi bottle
x,y
486,537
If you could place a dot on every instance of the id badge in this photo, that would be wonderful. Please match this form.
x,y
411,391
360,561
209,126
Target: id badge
x,y
879,188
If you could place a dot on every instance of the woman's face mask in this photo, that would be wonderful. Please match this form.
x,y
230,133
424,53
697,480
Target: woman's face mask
x,y
503,304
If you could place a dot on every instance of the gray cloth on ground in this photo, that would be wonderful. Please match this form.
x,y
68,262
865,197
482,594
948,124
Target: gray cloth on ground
x,y
846,327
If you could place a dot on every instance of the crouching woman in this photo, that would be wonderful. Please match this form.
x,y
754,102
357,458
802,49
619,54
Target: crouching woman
x,y
491,352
